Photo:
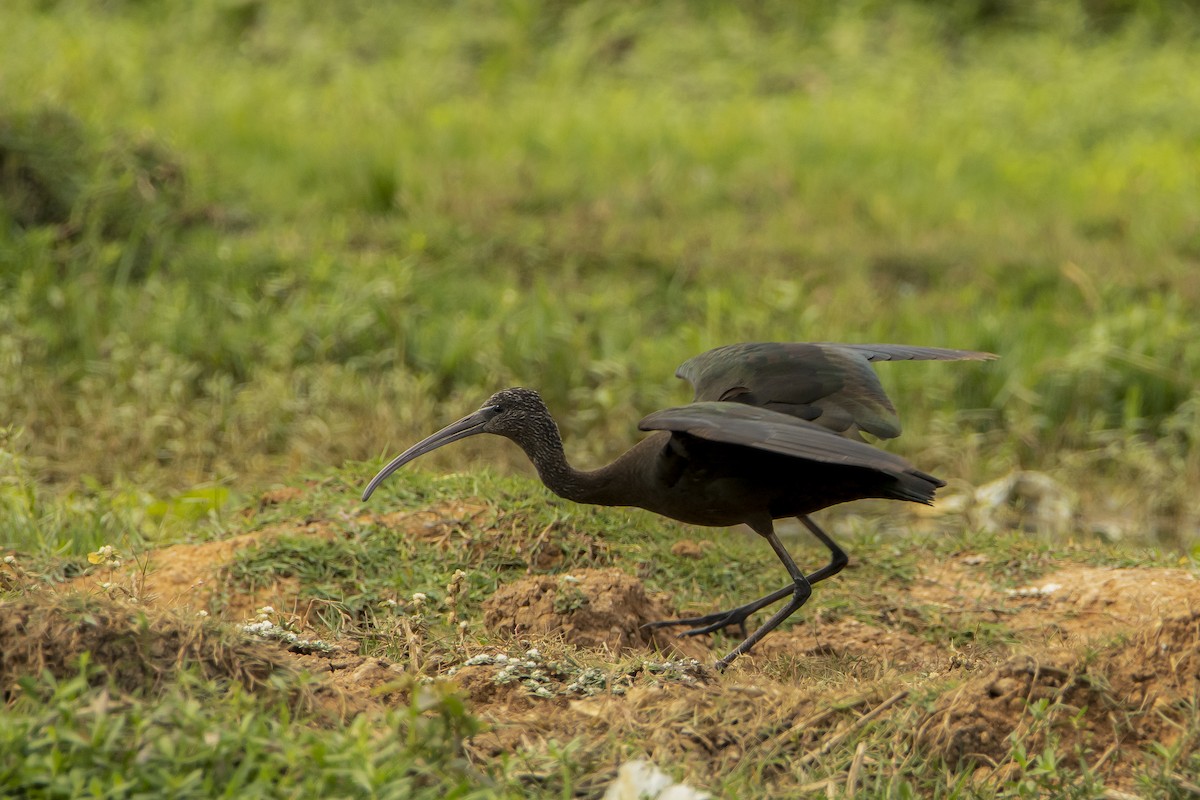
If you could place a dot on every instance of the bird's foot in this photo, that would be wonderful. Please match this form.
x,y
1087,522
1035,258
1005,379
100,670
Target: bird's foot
x,y
718,620
709,623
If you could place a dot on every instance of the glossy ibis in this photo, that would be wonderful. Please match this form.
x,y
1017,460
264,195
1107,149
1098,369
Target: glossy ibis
x,y
774,431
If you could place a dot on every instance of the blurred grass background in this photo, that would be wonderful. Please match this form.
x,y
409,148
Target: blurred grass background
x,y
241,241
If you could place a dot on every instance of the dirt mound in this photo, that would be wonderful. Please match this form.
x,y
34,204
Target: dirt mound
x,y
976,722
1129,694
601,608
139,650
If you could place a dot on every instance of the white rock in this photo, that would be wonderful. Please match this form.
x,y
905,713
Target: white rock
x,y
642,780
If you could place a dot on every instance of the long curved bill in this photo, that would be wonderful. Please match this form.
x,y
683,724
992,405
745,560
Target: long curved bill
x,y
467,426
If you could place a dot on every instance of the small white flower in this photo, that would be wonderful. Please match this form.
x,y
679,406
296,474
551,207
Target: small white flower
x,y
202,613
10,560
266,611
419,598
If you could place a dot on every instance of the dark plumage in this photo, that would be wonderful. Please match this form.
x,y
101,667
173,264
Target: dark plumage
x,y
774,432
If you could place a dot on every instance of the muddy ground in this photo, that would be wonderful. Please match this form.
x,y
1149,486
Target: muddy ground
x,y
1112,653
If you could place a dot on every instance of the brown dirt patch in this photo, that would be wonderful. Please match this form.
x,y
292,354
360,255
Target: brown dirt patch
x,y
599,608
1159,667
184,576
1087,603
275,497
1072,606
141,650
689,548
958,582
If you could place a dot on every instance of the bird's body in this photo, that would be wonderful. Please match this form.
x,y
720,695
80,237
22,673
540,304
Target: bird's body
x,y
702,482
773,433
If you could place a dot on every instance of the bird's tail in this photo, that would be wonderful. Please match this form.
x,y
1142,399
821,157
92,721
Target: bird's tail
x,y
917,487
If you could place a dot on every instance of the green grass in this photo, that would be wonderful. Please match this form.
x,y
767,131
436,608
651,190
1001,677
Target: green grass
x,y
68,738
292,238
242,243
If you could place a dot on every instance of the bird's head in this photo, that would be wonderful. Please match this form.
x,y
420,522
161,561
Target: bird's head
x,y
509,413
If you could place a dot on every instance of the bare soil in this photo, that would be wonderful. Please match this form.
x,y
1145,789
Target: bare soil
x,y
1113,654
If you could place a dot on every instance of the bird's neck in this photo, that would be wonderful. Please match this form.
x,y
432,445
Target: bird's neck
x,y
544,446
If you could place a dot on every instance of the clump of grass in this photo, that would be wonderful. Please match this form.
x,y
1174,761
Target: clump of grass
x,y
110,208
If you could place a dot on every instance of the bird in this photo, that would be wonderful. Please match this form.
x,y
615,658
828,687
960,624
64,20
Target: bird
x,y
775,430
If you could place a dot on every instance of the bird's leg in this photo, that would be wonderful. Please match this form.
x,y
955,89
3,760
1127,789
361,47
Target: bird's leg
x,y
801,591
837,556
710,623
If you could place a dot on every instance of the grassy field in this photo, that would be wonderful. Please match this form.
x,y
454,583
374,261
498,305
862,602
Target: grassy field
x,y
250,248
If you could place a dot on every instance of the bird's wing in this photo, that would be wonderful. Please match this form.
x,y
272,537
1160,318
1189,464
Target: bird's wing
x,y
830,384
904,352
763,429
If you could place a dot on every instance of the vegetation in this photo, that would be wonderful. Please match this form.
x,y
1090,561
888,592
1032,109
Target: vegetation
x,y
245,243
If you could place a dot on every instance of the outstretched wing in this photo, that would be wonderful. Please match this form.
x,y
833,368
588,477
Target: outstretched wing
x,y
763,429
829,384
